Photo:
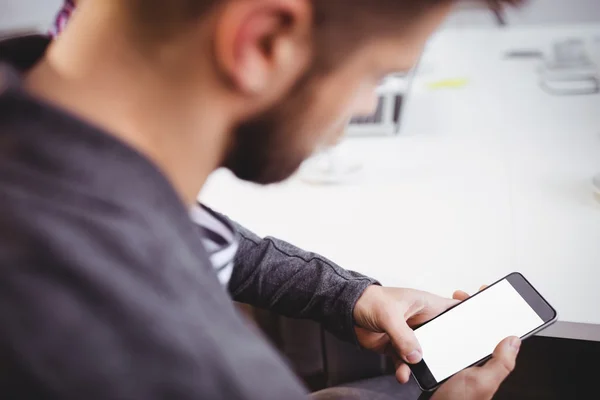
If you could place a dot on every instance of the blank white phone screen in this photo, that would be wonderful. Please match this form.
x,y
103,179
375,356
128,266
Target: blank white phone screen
x,y
471,331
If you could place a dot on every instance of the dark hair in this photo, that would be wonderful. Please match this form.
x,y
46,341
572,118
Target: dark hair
x,y
340,25
160,12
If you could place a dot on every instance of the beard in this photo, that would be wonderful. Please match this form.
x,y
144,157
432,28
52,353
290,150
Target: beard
x,y
261,154
270,147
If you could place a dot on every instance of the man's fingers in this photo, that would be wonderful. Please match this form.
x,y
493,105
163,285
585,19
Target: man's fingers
x,y
403,374
489,377
402,371
504,358
460,295
404,340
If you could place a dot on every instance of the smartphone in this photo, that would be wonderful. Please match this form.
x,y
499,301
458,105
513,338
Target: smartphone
x,y
467,334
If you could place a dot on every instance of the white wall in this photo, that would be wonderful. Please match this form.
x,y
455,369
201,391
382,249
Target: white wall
x,y
556,11
539,12
27,14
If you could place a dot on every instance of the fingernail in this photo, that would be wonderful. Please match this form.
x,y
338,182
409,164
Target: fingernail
x,y
414,357
515,343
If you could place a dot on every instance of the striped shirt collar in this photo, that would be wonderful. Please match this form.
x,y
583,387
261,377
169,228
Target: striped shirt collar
x,y
218,238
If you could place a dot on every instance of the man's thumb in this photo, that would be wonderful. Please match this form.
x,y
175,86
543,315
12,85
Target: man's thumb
x,y
497,369
404,341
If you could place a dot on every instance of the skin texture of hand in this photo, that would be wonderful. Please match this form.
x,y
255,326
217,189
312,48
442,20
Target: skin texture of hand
x,y
481,383
385,317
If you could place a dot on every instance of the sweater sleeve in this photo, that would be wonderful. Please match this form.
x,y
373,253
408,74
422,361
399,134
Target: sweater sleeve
x,y
272,274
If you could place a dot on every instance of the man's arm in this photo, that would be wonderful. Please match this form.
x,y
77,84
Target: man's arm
x,y
275,275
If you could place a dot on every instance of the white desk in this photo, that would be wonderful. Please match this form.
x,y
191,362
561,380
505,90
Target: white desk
x,y
484,180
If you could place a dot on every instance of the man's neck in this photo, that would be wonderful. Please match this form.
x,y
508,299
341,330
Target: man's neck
x,y
96,74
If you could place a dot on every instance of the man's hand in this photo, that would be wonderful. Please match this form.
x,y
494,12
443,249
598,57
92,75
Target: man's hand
x,y
385,317
480,383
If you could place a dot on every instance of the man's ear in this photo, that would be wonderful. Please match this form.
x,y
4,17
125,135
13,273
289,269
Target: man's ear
x,y
262,46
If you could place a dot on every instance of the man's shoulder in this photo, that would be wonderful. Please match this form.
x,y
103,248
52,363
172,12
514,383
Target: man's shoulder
x,y
43,221
47,223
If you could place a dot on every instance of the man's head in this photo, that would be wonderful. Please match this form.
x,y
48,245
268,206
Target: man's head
x,y
352,45
289,73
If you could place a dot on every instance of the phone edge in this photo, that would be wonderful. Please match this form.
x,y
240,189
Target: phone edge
x,y
527,336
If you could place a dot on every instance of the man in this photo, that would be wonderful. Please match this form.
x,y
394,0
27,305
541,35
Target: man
x,y
107,137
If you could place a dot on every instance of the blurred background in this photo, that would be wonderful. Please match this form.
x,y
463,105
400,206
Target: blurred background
x,y
36,14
